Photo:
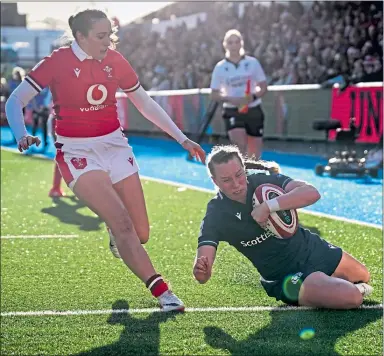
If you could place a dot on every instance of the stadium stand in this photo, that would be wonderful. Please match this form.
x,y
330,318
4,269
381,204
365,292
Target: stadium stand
x,y
295,43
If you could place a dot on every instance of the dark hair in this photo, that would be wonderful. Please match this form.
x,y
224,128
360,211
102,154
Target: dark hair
x,y
82,22
224,153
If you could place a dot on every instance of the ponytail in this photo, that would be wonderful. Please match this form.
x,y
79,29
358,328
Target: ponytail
x,y
260,165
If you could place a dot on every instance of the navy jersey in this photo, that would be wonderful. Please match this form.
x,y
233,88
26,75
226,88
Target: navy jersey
x,y
230,221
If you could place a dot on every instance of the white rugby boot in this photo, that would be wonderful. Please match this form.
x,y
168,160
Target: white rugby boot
x,y
365,289
170,302
112,244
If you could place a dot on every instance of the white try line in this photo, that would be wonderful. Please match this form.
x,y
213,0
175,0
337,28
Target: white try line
x,y
212,191
314,213
158,310
39,236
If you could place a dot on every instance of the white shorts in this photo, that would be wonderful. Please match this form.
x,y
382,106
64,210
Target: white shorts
x,y
110,153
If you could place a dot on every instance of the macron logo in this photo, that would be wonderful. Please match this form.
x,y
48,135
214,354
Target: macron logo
x,y
238,215
77,72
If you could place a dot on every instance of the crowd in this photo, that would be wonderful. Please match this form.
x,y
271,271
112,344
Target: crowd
x,y
295,44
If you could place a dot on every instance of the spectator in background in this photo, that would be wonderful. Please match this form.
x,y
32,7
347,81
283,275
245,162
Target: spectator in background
x,y
18,74
322,31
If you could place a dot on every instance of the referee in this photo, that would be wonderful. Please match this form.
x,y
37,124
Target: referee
x,y
243,115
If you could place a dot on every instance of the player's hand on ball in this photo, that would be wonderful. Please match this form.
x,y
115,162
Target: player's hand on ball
x,y
26,141
260,214
194,149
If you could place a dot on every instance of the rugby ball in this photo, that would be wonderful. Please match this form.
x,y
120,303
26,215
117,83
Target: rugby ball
x,y
284,223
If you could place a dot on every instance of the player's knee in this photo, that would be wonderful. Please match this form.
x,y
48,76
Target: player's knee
x,y
143,234
122,224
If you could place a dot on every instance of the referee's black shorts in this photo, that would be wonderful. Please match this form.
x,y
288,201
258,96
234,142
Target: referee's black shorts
x,y
252,121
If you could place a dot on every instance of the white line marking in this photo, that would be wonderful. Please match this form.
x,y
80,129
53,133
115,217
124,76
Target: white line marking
x,y
155,310
212,191
39,236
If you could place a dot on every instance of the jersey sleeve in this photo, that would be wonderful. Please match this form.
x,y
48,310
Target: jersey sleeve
x,y
128,79
216,78
261,178
258,72
279,180
208,235
42,74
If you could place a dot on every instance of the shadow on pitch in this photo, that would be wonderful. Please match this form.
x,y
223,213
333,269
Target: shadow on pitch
x,y
141,336
281,336
68,213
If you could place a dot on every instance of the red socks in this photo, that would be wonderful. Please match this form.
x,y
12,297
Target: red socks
x,y
156,285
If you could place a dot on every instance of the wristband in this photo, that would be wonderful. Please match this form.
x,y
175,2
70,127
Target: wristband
x,y
273,205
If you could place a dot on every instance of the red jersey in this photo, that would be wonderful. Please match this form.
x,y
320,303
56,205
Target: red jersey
x,y
84,89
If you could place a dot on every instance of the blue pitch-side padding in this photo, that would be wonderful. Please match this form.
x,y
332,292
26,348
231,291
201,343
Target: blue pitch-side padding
x,y
348,197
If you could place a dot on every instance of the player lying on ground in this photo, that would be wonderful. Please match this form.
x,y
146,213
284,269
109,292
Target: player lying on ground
x,y
301,270
93,154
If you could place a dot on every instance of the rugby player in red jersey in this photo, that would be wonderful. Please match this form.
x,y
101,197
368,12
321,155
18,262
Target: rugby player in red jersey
x,y
93,154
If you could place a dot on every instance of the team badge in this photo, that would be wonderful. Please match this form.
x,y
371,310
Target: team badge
x,y
79,163
108,70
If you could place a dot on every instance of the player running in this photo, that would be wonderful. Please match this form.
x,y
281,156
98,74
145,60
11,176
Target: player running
x,y
302,270
239,82
93,154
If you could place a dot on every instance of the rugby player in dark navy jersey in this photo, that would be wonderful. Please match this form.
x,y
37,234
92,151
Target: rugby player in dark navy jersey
x,y
302,270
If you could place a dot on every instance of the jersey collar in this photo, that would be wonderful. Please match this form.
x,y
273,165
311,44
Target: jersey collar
x,y
234,63
79,53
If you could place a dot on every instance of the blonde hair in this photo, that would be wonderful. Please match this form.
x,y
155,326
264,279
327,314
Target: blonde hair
x,y
233,32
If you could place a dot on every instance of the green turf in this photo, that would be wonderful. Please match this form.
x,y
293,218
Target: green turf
x,y
81,274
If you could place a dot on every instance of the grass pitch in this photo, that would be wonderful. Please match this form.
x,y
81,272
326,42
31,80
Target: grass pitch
x,y
76,272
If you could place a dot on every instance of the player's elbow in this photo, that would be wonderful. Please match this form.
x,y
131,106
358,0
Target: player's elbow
x,y
313,194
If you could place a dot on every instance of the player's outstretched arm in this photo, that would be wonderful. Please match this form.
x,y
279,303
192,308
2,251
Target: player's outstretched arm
x,y
155,113
202,268
19,98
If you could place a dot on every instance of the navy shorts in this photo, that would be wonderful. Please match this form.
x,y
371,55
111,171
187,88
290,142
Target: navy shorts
x,y
324,257
252,121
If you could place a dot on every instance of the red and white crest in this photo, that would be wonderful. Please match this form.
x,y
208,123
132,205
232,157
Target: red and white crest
x,y
79,163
